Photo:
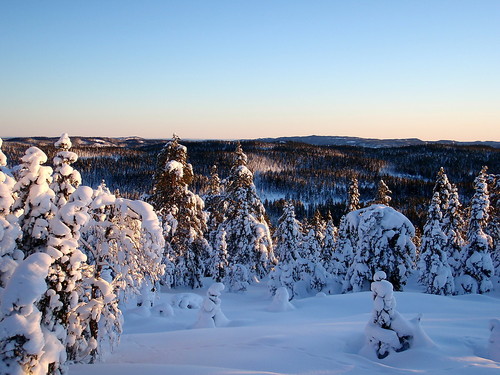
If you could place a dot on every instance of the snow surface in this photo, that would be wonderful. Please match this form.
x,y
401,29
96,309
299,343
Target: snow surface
x,y
322,335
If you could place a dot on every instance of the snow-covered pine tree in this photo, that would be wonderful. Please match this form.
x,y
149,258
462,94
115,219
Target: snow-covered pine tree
x,y
443,188
329,240
288,234
313,277
288,241
97,315
453,224
343,252
9,227
435,272
135,246
478,265
237,277
65,179
25,347
387,331
182,215
493,227
353,196
248,236
219,263
214,205
35,201
65,272
383,194
383,241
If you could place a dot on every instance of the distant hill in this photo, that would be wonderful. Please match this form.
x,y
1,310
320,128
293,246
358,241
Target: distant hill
x,y
130,142
315,140
319,140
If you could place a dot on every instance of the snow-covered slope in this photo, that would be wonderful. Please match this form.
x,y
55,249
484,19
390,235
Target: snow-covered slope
x,y
322,335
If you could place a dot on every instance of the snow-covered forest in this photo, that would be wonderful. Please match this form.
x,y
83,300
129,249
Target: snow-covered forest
x,y
85,264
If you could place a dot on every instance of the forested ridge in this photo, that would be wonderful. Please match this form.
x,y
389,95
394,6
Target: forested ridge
x,y
314,177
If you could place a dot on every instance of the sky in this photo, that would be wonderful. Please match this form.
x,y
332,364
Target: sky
x,y
226,69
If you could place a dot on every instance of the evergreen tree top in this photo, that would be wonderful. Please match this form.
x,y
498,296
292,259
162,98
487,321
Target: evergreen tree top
x,y
353,196
64,143
3,158
443,187
241,157
383,194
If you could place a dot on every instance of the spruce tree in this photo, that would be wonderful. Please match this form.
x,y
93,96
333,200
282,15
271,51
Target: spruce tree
x,y
214,205
288,241
9,227
64,179
493,227
343,252
453,224
443,188
478,265
219,263
248,236
64,278
435,272
25,347
98,316
181,211
35,201
329,241
353,196
383,194
382,239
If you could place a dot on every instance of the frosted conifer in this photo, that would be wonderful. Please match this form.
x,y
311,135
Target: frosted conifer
x,y
435,272
64,179
329,241
493,227
343,252
443,188
383,194
248,236
453,224
35,199
478,265
288,241
25,347
181,211
220,262
9,227
353,196
383,241
98,316
214,205
387,331
65,272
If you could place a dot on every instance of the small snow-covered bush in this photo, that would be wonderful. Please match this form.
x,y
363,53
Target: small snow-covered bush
x,y
211,315
387,331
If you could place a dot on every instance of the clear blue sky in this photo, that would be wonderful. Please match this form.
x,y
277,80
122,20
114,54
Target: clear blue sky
x,y
244,69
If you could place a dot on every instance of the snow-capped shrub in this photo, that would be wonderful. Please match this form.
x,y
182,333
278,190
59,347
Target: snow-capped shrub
x,y
211,315
387,331
281,301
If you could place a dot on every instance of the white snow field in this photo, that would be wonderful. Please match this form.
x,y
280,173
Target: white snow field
x,y
322,335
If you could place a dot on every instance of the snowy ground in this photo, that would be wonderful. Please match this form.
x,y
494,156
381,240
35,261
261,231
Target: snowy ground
x,y
323,335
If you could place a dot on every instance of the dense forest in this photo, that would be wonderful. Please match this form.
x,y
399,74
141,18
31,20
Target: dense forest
x,y
314,177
